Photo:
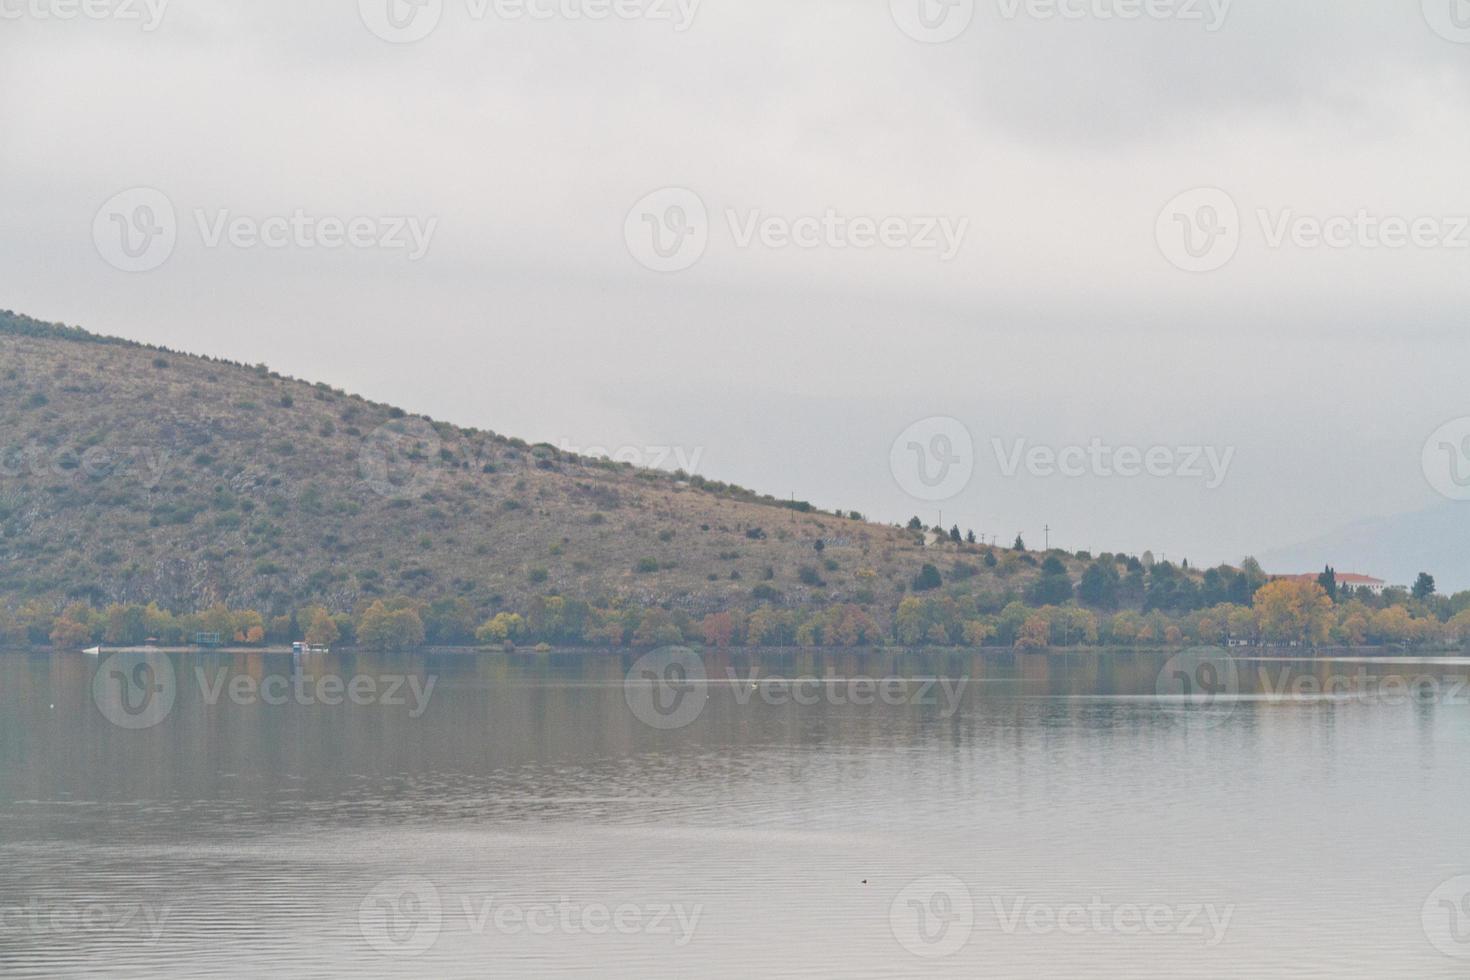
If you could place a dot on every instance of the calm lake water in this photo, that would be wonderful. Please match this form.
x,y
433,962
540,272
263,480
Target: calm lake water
x,y
417,815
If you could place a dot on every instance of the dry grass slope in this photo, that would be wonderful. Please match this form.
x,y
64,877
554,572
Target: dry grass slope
x,y
133,474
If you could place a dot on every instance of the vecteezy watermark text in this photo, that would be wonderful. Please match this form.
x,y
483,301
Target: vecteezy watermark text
x,y
138,230
1210,13
1201,230
940,234
670,229
407,21
669,688
939,21
38,918
934,917
306,690
92,462
137,690
1366,688
1208,464
148,13
810,689
642,457
406,233
404,917
934,460
1099,917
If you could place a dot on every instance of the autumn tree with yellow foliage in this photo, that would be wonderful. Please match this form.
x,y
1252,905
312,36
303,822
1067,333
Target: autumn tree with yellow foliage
x,y
1294,610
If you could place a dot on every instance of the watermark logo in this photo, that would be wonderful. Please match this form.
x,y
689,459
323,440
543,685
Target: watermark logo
x,y
667,689
307,690
668,458
1446,459
933,917
135,690
667,230
401,21
1446,918
148,13
1362,687
944,693
1210,13
42,918
136,230
409,234
1450,19
71,462
932,21
933,459
942,235
1206,921
401,458
404,917
1363,229
1199,231
407,21
678,13
1208,464
401,917
1203,681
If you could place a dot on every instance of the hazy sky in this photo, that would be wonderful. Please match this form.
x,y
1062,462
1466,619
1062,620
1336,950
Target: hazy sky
x,y
992,233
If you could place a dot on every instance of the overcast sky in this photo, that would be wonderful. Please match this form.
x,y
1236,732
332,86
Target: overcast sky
x,y
999,240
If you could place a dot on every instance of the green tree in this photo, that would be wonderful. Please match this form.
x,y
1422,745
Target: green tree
x,y
126,625
450,622
1423,586
1255,576
1328,581
1099,585
1054,587
927,579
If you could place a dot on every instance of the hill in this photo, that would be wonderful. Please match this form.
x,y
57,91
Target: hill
x,y
133,474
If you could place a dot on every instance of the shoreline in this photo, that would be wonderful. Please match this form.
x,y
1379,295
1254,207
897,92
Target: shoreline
x,y
1237,653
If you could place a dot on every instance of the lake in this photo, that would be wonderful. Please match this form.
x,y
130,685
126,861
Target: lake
x,y
1114,813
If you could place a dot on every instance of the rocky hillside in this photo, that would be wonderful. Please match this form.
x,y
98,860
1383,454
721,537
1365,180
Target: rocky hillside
x,y
133,474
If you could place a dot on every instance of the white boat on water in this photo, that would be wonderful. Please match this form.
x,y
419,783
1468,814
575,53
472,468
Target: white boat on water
x,y
93,651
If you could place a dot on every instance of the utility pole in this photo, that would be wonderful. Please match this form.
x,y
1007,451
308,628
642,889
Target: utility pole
x,y
1047,530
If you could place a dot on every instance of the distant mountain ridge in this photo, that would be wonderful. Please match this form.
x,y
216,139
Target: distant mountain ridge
x,y
1396,548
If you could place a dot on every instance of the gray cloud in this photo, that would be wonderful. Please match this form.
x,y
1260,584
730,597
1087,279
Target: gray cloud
x,y
1059,320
